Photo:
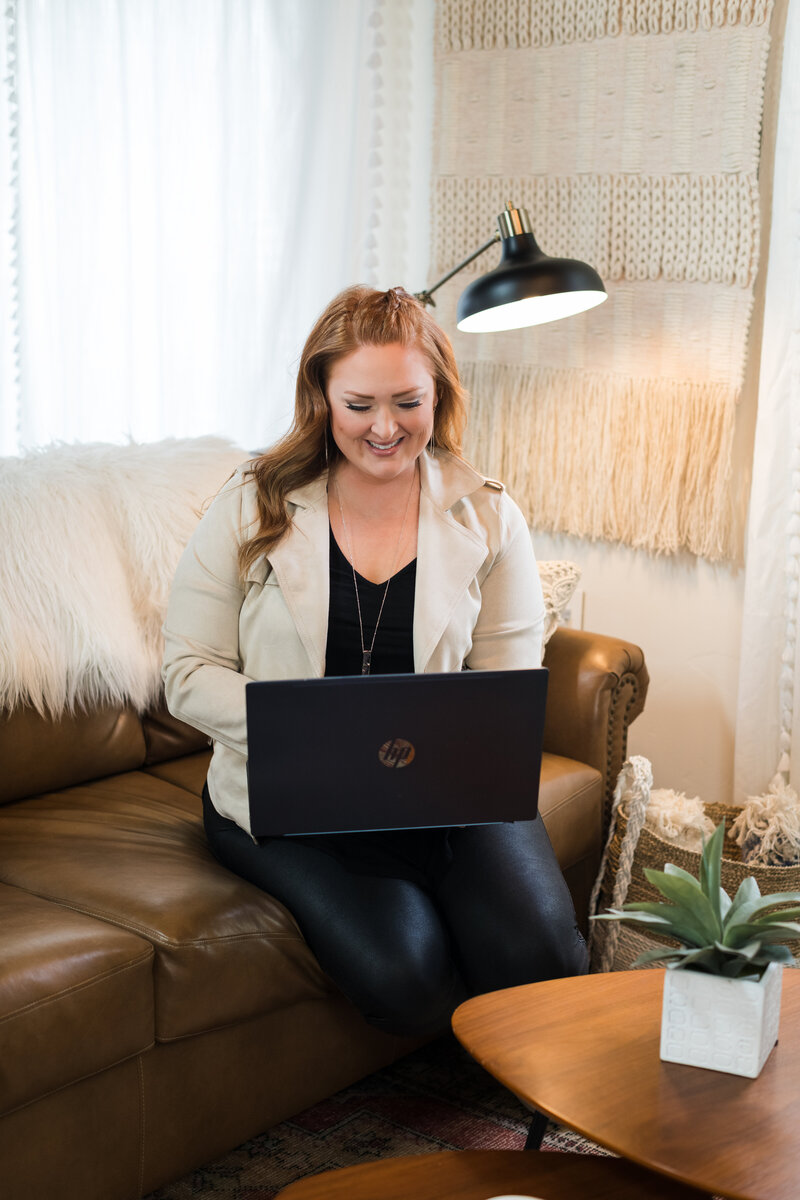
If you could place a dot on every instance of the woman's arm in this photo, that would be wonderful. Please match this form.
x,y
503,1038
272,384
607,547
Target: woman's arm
x,y
202,669
509,629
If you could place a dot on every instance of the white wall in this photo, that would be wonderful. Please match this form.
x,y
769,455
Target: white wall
x,y
686,616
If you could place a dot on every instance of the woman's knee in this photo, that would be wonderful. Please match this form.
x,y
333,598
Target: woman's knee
x,y
561,951
408,994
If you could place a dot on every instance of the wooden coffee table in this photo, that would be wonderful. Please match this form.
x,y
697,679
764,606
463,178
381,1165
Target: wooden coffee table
x,y
585,1052
478,1174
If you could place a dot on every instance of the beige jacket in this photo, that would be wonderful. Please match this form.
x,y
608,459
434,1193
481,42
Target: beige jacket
x,y
478,604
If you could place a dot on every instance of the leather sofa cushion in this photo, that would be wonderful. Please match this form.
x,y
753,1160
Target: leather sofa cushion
x,y
131,850
76,997
188,773
571,804
83,746
38,753
167,738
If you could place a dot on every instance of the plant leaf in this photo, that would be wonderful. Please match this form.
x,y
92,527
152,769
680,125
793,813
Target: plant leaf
x,y
776,931
692,903
784,914
679,873
705,958
747,893
738,935
711,869
777,900
680,921
616,914
661,952
781,954
749,950
762,906
740,968
725,905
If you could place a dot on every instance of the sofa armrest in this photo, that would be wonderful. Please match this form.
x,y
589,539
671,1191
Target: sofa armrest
x,y
597,686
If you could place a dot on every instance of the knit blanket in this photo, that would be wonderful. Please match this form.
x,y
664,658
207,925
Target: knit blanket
x,y
91,536
631,131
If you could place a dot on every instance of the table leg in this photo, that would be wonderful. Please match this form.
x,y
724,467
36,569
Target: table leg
x,y
537,1131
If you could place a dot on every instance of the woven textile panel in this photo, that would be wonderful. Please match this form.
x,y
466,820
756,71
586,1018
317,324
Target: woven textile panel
x,y
631,133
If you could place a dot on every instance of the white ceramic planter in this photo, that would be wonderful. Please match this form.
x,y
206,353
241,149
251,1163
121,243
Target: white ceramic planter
x,y
721,1024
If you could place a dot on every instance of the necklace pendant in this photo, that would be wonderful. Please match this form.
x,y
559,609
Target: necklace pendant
x,y
366,660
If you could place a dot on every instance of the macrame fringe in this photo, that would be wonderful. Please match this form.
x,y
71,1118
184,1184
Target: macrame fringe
x,y
645,462
498,24
768,827
678,818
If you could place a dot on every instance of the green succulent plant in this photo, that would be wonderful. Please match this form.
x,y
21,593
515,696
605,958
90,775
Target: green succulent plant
x,y
736,938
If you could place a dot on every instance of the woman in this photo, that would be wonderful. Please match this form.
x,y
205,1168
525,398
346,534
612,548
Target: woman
x,y
363,543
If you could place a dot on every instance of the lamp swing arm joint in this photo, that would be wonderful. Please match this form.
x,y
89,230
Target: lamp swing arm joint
x,y
426,297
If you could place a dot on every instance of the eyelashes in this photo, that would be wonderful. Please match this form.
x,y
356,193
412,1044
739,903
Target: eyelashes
x,y
406,405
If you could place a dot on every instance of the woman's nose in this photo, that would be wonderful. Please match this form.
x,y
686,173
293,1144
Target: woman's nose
x,y
384,424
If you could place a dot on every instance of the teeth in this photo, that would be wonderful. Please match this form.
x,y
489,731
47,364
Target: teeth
x,y
384,445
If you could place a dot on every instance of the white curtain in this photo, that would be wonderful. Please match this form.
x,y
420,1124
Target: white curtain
x,y
768,719
196,179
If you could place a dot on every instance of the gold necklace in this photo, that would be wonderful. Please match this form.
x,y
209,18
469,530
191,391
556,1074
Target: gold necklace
x,y
366,655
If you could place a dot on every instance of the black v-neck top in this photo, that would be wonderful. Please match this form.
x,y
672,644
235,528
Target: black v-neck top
x,y
394,647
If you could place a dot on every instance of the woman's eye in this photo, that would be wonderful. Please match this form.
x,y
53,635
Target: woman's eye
x,y
358,407
411,404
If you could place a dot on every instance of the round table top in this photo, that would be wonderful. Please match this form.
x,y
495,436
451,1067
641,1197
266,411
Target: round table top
x,y
481,1174
586,1052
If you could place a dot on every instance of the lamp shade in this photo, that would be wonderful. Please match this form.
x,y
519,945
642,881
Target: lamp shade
x,y
527,287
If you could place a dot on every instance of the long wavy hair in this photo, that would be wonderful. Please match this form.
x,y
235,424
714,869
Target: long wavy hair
x,y
358,316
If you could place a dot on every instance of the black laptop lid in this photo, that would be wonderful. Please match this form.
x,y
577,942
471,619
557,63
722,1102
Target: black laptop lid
x,y
394,751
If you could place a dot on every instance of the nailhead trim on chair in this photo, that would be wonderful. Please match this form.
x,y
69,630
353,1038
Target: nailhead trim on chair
x,y
617,737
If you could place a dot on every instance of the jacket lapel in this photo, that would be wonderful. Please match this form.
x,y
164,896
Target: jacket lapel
x,y
448,554
300,562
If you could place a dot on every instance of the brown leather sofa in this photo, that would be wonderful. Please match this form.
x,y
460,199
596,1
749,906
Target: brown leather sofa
x,y
155,1010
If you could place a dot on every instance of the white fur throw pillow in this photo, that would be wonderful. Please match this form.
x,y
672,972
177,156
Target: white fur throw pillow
x,y
559,580
91,537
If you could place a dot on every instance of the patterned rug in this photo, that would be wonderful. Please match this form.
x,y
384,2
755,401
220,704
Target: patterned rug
x,y
435,1099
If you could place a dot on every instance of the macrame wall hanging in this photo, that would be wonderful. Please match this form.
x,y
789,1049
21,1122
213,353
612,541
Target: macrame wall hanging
x,y
630,130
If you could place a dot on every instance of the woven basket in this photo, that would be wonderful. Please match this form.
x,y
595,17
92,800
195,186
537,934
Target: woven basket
x,y
615,947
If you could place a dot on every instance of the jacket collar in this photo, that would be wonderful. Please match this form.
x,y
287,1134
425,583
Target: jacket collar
x,y
447,479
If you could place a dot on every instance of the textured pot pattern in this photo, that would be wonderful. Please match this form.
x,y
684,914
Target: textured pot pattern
x,y
721,1024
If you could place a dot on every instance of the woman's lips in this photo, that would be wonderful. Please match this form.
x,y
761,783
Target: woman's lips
x,y
383,447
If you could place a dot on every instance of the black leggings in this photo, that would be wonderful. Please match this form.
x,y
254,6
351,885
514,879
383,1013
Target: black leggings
x,y
500,914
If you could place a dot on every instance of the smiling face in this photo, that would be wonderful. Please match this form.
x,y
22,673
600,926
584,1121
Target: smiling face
x,y
381,401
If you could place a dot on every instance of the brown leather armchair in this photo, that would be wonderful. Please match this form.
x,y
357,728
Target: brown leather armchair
x,y
156,1010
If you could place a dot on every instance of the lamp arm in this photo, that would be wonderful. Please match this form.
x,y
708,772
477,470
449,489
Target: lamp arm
x,y
426,297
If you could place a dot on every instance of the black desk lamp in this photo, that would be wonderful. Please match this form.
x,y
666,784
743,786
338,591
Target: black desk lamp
x,y
527,288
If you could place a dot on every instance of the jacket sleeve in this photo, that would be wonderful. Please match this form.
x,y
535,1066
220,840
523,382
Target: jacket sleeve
x,y
510,626
202,671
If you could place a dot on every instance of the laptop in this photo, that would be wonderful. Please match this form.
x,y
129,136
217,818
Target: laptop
x,y
357,753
